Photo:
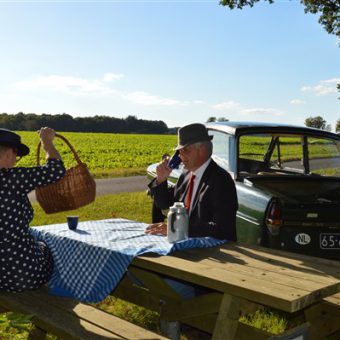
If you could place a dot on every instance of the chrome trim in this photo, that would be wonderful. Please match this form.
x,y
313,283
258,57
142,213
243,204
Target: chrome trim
x,y
240,215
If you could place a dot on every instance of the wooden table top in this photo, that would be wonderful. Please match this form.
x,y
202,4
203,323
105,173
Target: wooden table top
x,y
286,281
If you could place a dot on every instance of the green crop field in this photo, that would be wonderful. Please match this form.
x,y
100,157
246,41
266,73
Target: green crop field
x,y
113,155
106,155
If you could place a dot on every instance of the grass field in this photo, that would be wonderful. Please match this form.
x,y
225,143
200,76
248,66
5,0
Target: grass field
x,y
106,155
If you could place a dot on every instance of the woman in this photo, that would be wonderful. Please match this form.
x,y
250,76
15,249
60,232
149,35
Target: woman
x,y
24,262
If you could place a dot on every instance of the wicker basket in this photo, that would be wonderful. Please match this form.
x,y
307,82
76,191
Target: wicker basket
x,y
76,189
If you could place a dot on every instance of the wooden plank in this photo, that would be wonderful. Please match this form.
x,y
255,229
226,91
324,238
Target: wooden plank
x,y
323,318
291,258
100,318
289,286
49,318
321,270
189,308
299,332
69,319
155,283
333,299
204,323
227,319
246,332
289,278
260,291
322,326
137,295
252,262
115,325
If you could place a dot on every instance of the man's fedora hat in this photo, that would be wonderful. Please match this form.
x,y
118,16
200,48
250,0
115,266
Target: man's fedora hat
x,y
11,139
191,134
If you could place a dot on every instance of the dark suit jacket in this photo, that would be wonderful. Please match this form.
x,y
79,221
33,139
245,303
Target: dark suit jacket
x,y
215,204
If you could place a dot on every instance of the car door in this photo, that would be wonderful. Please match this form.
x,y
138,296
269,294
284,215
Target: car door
x,y
252,204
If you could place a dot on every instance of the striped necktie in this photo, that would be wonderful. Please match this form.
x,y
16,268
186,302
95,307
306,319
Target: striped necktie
x,y
189,193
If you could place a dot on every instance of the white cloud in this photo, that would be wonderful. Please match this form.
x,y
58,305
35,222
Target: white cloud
x,y
324,87
297,102
226,105
95,87
66,84
144,98
108,77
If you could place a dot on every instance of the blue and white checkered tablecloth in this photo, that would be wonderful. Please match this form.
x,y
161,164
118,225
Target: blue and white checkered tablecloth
x,y
90,261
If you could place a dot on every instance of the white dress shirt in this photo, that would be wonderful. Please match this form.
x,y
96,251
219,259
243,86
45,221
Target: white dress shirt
x,y
198,173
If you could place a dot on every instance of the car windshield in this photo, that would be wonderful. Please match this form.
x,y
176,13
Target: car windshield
x,y
272,154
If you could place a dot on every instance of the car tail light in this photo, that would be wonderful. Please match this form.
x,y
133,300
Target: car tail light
x,y
274,217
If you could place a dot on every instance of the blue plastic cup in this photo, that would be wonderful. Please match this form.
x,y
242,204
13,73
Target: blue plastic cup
x,y
72,222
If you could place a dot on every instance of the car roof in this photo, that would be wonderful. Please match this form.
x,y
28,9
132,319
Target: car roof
x,y
238,128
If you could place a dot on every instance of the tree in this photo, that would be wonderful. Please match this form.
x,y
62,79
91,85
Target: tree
x,y
222,119
317,122
337,126
211,119
329,11
65,122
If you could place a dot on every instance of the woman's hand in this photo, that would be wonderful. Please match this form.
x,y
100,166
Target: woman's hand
x,y
46,136
157,229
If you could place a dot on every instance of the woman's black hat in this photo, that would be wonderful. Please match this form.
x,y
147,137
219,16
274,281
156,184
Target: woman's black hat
x,y
11,139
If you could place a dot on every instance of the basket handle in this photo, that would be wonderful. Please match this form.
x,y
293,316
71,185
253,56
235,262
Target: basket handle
x,y
68,144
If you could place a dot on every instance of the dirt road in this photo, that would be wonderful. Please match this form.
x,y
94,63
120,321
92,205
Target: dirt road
x,y
114,186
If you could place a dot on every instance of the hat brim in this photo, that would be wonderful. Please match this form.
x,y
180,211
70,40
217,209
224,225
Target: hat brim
x,y
179,147
22,149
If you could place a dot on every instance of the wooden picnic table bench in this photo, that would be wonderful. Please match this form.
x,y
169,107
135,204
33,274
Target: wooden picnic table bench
x,y
325,318
70,319
236,279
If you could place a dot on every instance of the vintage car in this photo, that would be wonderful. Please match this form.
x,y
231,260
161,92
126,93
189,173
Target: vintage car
x,y
288,184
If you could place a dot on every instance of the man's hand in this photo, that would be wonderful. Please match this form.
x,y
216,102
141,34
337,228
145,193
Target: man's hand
x,y
157,229
163,171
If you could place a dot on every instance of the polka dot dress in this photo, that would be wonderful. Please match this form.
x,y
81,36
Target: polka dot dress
x,y
24,262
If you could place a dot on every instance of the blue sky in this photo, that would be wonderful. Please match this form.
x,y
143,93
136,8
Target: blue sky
x,y
176,61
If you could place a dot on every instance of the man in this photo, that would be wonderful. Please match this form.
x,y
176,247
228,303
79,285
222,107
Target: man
x,y
206,189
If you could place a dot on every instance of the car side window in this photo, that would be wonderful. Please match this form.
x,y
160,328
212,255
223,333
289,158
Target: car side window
x,y
252,150
221,148
288,154
324,156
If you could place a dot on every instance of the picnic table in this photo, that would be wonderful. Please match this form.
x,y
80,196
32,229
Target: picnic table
x,y
233,278
239,279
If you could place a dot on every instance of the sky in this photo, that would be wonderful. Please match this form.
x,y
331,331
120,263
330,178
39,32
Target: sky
x,y
176,61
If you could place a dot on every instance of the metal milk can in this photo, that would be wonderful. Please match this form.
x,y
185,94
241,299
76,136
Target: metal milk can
x,y
178,223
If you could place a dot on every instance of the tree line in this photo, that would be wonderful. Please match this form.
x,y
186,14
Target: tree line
x,y
67,123
319,123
